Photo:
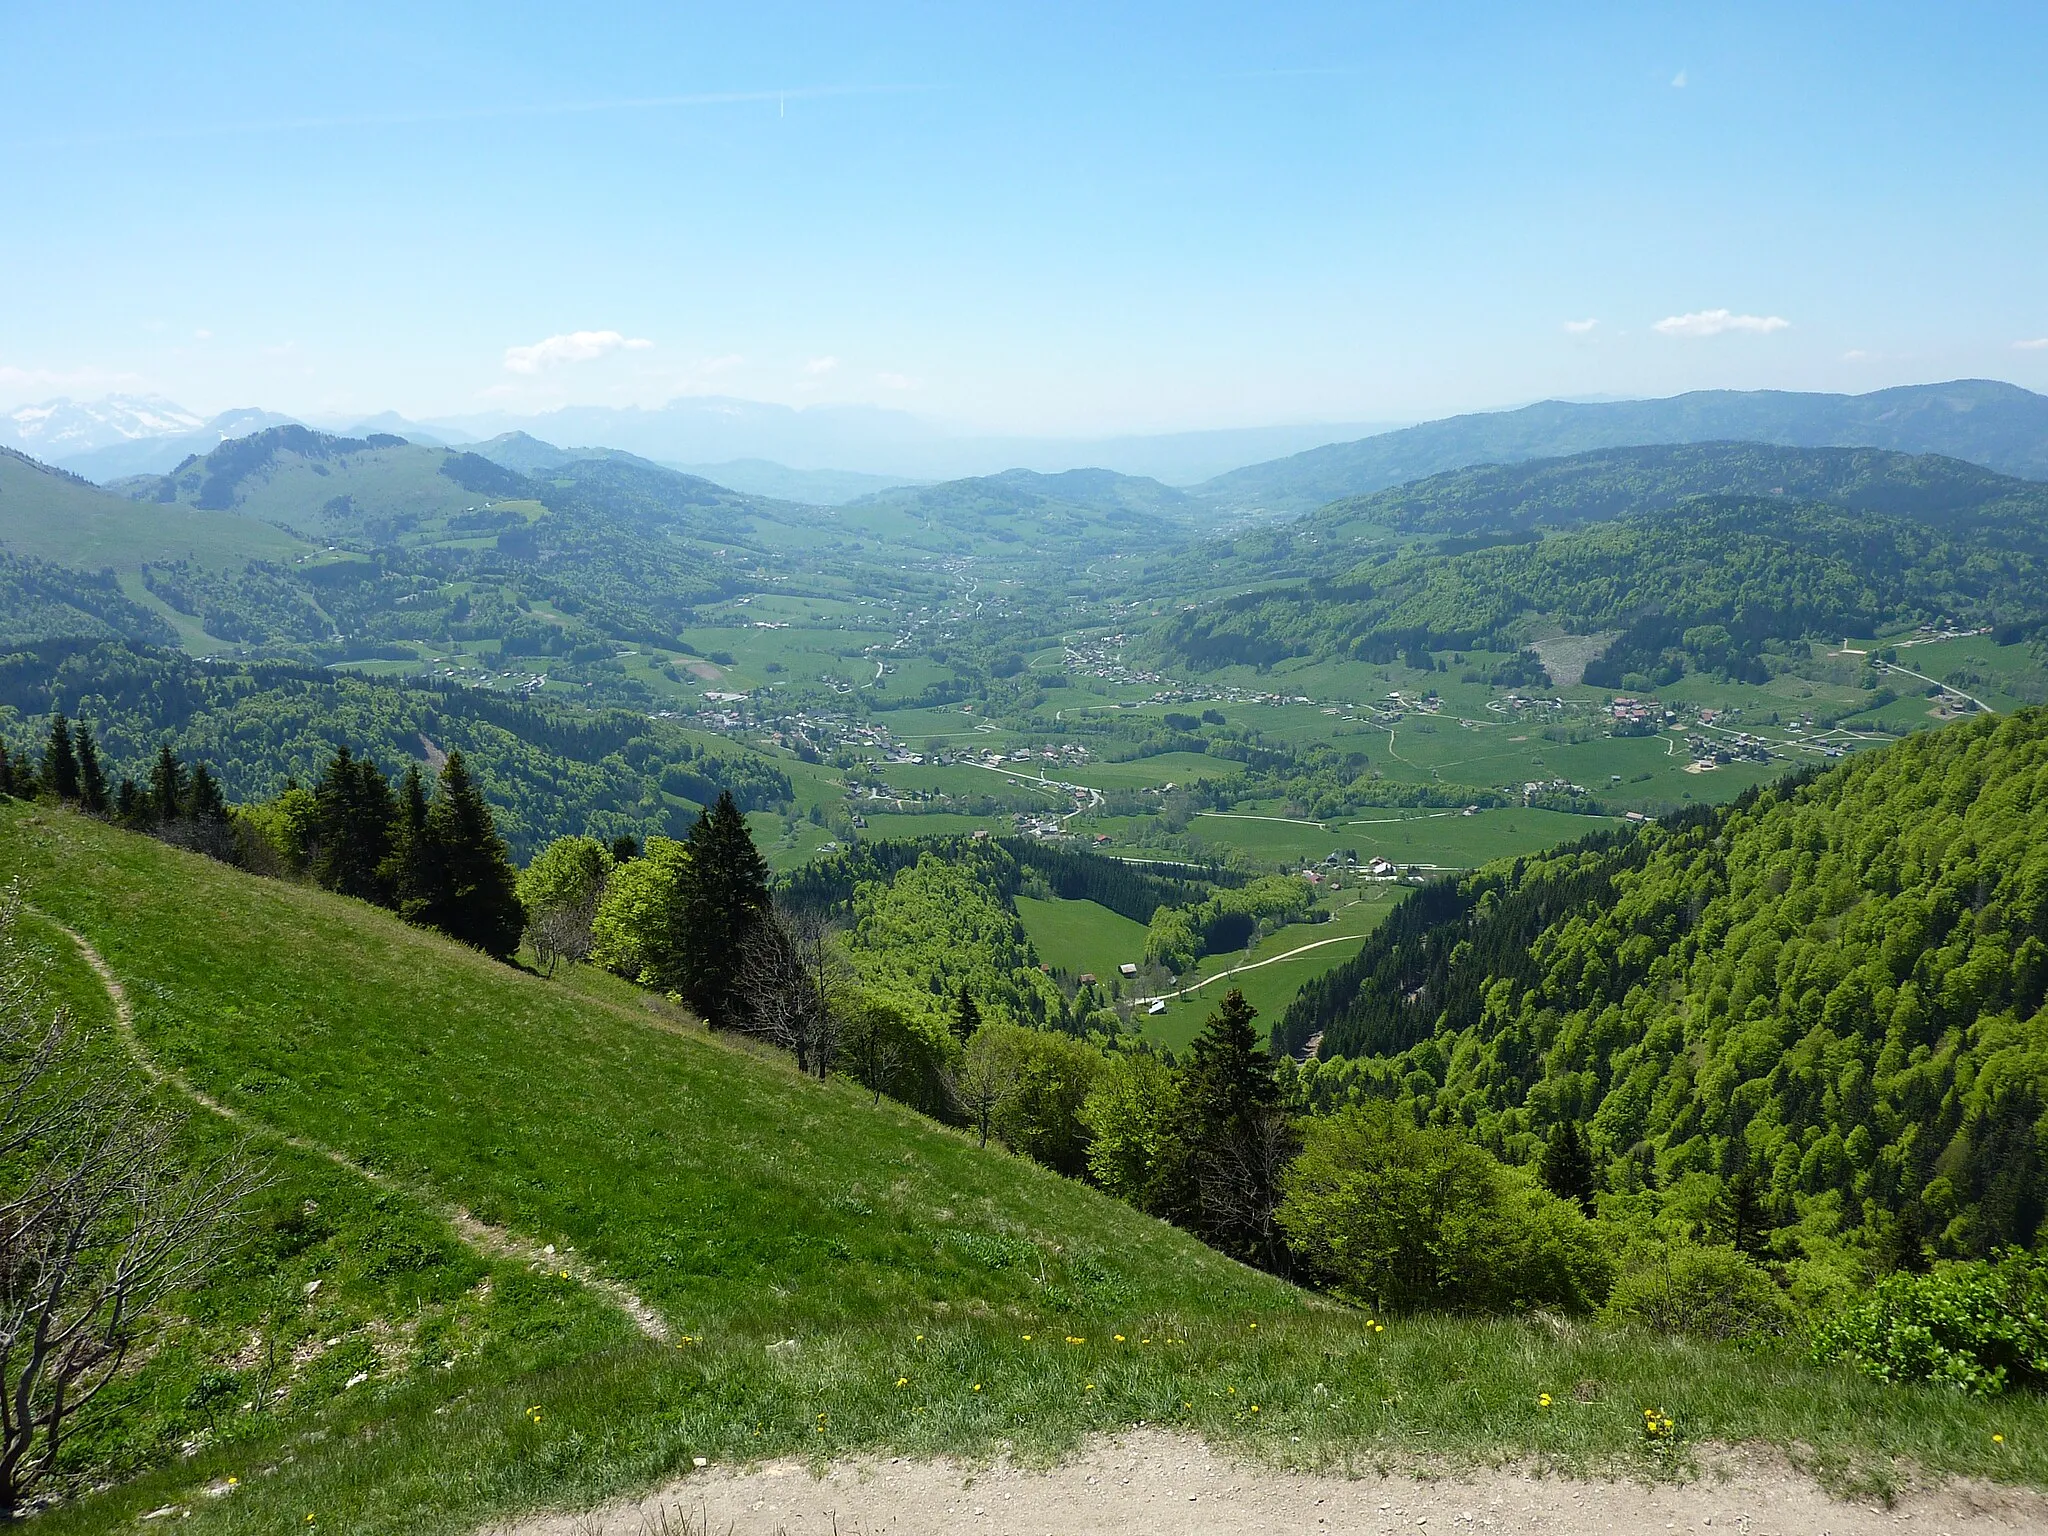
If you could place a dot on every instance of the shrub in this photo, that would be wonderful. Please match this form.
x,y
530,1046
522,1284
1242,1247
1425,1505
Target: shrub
x,y
1396,1216
1981,1326
1703,1293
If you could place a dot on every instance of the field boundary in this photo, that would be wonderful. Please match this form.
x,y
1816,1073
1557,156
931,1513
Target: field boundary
x,y
481,1237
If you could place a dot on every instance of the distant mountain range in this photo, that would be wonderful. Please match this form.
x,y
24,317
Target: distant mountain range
x,y
834,455
859,448
2000,426
123,435
756,477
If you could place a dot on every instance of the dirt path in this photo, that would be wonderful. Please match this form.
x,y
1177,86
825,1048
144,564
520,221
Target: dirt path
x,y
1236,970
1155,1484
489,1241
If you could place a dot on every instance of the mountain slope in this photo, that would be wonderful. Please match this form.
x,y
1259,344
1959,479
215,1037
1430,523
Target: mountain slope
x,y
1980,420
548,769
1611,482
1838,983
836,1276
1768,543
1705,583
52,515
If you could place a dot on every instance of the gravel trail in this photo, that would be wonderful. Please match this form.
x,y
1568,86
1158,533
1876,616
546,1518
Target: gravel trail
x,y
1157,1484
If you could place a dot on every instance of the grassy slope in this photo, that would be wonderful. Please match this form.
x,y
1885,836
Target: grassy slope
x,y
1081,936
1269,989
54,518
751,1206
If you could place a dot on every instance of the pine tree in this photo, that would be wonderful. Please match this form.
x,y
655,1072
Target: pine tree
x,y
1737,1216
625,848
966,1017
131,806
92,779
352,825
724,894
472,895
60,762
1567,1166
409,871
1237,1138
6,773
204,801
166,786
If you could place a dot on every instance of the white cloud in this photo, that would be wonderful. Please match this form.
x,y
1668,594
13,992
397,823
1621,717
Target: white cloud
x,y
818,365
574,347
1712,322
2037,344
1678,80
202,334
895,381
1580,327
1854,355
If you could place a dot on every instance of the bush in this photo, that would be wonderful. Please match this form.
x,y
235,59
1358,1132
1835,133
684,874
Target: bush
x,y
1703,1293
1395,1216
1981,1326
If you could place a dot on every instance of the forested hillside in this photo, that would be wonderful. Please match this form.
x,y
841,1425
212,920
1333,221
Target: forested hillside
x,y
1704,583
1835,985
1613,482
547,768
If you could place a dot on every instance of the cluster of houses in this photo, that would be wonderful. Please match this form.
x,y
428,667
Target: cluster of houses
x,y
1627,711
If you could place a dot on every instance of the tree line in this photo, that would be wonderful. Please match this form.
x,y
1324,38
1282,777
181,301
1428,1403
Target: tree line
x,y
434,857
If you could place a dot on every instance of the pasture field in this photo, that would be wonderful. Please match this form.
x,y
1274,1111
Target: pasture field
x,y
891,824
1430,839
1081,936
1151,772
1270,987
971,779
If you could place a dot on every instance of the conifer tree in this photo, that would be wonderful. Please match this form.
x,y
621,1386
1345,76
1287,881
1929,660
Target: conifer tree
x,y
1238,1139
625,848
1567,1166
966,1016
6,773
409,872
60,762
724,892
166,786
204,801
92,779
352,825
472,895
1736,1214
131,807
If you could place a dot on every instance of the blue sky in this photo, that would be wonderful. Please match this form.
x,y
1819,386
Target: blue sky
x,y
1039,218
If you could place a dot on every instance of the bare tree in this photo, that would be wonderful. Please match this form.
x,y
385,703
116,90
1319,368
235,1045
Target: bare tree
x,y
872,1044
1238,1172
562,931
980,1087
100,1220
795,982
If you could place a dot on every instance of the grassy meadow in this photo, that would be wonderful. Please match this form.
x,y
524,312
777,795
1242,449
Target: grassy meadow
x,y
836,1276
